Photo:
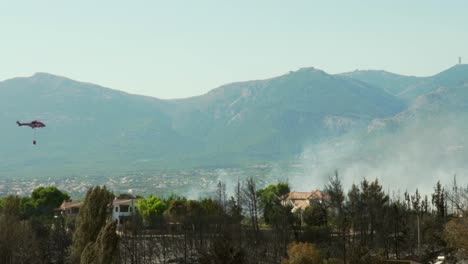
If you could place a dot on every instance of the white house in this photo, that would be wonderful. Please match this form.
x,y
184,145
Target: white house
x,y
122,210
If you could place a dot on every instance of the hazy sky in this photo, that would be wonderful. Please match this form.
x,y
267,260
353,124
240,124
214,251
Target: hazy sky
x,y
177,48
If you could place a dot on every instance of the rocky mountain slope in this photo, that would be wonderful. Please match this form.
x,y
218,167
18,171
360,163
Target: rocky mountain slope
x,y
92,128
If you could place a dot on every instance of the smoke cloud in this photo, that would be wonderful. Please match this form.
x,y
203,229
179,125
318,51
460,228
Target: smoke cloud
x,y
415,154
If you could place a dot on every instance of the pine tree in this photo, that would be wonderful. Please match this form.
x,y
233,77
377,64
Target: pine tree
x,y
425,205
334,189
354,206
439,201
251,198
378,201
416,201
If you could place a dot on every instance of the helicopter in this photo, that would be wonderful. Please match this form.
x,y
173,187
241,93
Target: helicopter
x,y
33,124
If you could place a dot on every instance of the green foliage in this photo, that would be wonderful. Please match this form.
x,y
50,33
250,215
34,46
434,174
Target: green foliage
x,y
46,199
177,210
150,207
18,242
174,197
234,211
362,227
180,208
195,208
439,201
270,199
335,191
211,207
3,201
10,206
42,202
28,208
315,215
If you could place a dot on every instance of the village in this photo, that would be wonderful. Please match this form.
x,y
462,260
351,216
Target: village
x,y
123,210
310,208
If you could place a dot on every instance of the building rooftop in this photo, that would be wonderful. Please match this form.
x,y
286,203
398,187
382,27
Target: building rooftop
x,y
317,194
67,205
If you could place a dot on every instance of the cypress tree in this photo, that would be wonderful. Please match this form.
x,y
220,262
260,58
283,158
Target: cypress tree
x,y
92,218
104,250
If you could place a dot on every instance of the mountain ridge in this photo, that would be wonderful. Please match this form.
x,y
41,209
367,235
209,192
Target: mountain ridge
x,y
234,124
354,74
410,87
95,128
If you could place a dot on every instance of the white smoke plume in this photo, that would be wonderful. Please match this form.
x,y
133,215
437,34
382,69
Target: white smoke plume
x,y
415,155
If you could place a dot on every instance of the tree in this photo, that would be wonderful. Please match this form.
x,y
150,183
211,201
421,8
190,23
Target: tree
x,y
91,220
334,189
456,229
18,243
251,198
270,197
455,235
222,251
221,193
177,210
125,196
438,200
212,207
377,202
458,198
103,251
396,226
151,207
416,201
302,253
425,205
234,211
315,215
354,205
46,199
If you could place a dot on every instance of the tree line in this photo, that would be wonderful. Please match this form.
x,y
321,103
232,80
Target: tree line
x,y
364,224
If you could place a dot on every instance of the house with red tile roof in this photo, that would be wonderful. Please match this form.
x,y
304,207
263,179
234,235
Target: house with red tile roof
x,y
302,200
68,208
122,209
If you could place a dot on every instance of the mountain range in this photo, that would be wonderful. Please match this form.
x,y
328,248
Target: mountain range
x,y
91,128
